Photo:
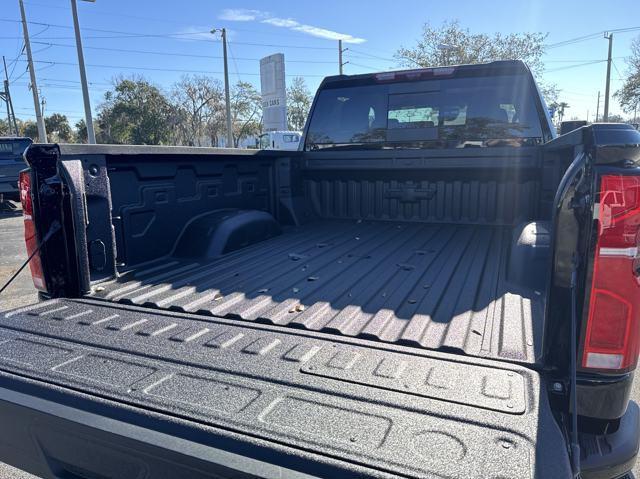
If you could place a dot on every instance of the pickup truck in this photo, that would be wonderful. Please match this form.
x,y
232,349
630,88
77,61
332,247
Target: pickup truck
x,y
433,285
11,162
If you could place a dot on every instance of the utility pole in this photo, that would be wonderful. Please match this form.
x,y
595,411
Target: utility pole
x,y
598,107
9,100
91,135
42,131
4,96
11,116
605,117
340,52
227,99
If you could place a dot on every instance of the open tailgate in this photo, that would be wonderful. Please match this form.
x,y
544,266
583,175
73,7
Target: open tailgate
x,y
92,389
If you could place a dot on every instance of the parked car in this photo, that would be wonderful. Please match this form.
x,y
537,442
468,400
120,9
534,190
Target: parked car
x,y
280,140
11,162
434,285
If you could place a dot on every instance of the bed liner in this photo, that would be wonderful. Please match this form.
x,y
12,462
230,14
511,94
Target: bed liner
x,y
434,286
379,409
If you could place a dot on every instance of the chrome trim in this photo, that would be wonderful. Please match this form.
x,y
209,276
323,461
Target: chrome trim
x,y
625,252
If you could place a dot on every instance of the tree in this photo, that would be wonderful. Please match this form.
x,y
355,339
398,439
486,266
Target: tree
x,y
561,108
550,93
451,44
81,132
4,127
246,111
629,95
616,119
29,129
58,128
135,112
196,101
299,100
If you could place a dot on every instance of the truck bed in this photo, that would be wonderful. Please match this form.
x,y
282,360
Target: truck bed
x,y
94,389
435,286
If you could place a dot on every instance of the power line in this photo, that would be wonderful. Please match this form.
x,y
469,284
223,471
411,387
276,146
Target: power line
x,y
620,76
145,18
61,7
271,45
57,110
173,35
235,64
177,70
99,30
569,67
15,60
373,56
571,41
364,66
590,36
26,70
62,87
186,55
60,80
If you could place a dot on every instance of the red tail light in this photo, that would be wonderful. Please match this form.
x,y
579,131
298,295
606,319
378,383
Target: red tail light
x,y
30,236
612,340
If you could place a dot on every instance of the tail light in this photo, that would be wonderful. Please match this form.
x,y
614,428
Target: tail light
x,y
30,235
612,337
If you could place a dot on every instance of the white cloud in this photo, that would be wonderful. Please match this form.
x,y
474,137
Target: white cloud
x,y
281,22
246,15
329,34
240,15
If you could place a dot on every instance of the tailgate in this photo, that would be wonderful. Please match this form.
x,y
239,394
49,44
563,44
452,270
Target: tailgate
x,y
111,390
9,172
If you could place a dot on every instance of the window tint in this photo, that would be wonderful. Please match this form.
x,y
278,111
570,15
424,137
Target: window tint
x,y
290,138
349,115
12,149
457,111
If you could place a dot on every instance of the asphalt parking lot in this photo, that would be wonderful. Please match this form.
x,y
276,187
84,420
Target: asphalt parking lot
x,y
21,293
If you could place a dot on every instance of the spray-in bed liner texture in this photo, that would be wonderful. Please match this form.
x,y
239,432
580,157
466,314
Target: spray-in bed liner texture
x,y
379,410
436,286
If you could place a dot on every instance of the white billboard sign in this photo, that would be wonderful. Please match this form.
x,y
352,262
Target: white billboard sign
x,y
274,93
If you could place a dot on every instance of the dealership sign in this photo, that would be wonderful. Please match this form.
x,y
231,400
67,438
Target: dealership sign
x,y
274,93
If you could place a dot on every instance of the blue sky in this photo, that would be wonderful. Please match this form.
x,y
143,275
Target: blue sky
x,y
172,39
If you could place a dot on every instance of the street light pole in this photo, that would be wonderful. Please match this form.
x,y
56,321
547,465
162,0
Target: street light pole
x,y
91,135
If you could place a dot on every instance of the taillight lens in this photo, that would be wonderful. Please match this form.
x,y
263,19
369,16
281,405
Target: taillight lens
x,y
612,339
30,235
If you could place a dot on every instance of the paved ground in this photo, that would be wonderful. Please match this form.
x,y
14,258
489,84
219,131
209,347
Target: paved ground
x,y
21,292
12,254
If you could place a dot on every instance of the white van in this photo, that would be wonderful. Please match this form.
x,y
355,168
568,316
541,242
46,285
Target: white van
x,y
280,140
